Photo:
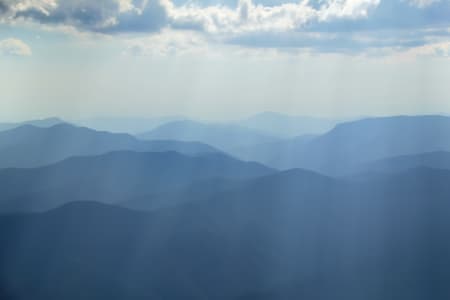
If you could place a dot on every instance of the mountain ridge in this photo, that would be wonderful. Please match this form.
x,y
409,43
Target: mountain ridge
x,y
114,177
30,146
353,143
224,136
222,248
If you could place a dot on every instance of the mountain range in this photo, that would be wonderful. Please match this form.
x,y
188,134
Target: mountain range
x,y
269,123
48,122
226,137
31,146
290,235
115,177
350,144
126,125
220,211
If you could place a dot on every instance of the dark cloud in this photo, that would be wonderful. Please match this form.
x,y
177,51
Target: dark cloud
x,y
391,23
101,16
3,7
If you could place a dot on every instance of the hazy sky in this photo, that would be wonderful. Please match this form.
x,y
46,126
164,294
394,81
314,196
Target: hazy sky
x,y
223,59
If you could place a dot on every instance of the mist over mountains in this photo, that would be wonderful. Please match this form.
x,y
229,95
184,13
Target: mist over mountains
x,y
281,125
270,207
126,125
48,122
31,146
223,136
350,144
115,177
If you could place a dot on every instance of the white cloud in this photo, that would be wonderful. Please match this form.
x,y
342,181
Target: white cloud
x,y
163,27
184,43
152,15
14,47
249,17
439,49
423,3
167,42
352,9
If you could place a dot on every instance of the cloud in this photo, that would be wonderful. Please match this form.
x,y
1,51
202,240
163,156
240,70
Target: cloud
x,y
250,17
320,25
167,43
111,16
108,16
423,3
14,47
351,9
439,49
327,42
3,7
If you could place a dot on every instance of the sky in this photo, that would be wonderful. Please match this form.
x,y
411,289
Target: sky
x,y
223,59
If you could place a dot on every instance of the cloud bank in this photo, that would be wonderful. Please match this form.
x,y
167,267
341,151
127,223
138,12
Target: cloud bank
x,y
321,25
118,16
